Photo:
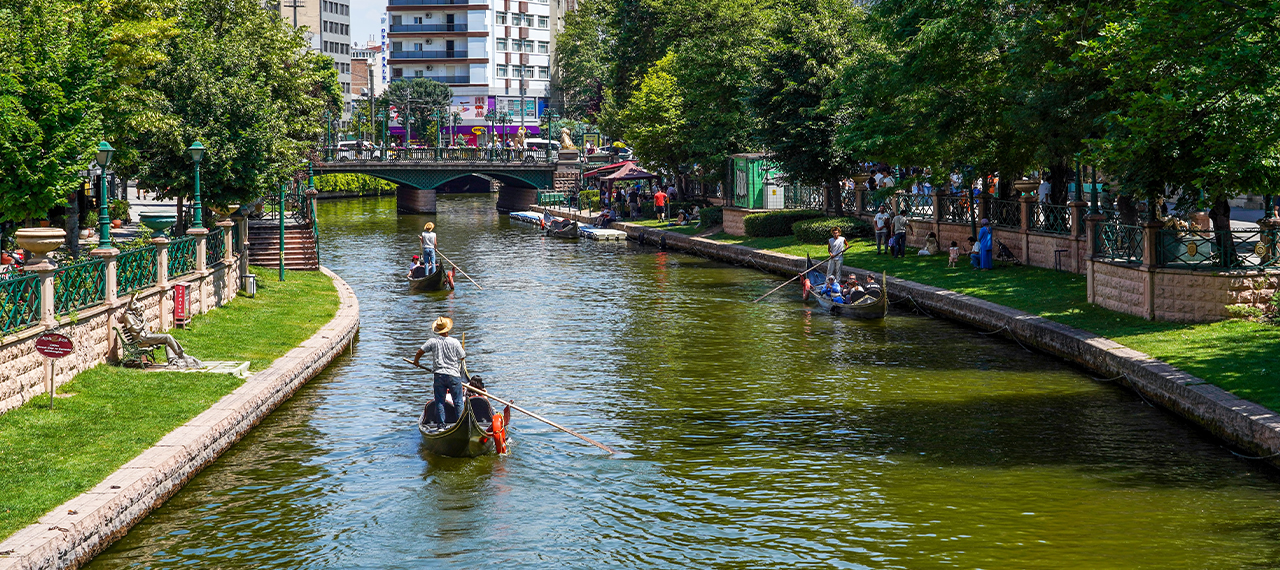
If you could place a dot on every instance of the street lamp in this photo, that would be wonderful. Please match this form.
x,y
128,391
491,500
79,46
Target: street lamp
x,y
105,152
453,135
551,117
197,153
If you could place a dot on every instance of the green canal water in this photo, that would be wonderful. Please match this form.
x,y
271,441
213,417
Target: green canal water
x,y
751,436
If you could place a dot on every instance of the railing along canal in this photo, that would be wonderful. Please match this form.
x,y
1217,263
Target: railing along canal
x,y
1118,242
136,269
19,301
1051,218
1218,250
79,285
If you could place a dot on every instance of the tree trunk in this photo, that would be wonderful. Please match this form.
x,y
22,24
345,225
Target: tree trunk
x,y
833,189
1220,214
1058,174
178,228
1128,210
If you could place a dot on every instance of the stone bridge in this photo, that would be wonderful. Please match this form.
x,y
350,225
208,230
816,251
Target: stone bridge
x,y
417,173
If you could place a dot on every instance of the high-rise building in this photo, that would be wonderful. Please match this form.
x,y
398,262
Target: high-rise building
x,y
328,29
496,55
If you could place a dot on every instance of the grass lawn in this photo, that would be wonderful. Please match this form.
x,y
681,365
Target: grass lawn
x,y
1242,357
688,230
47,457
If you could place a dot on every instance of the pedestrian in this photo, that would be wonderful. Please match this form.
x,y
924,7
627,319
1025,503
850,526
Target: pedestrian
x,y
954,252
633,202
447,357
984,246
900,225
835,247
428,241
660,204
881,224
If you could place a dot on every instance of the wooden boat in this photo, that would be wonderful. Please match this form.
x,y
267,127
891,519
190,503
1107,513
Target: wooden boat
x,y
437,281
865,308
470,436
567,231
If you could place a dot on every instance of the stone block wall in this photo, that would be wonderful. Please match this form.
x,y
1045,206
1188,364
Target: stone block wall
x,y
23,370
733,220
1177,295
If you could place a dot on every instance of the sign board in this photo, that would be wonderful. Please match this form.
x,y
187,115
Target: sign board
x,y
181,303
54,345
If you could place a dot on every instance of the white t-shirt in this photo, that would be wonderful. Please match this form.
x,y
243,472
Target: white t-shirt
x,y
881,221
835,246
428,240
446,355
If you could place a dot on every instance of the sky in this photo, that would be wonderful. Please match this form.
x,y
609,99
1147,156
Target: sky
x,y
366,20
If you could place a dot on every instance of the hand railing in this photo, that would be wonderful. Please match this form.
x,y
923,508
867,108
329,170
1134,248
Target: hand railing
x,y
182,256
1117,242
135,269
802,198
79,285
917,206
956,209
19,301
1051,218
1218,250
1005,213
215,248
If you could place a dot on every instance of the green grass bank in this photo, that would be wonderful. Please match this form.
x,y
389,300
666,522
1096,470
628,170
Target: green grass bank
x,y
1242,357
111,414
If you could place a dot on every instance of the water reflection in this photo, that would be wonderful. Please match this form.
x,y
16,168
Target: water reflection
x,y
754,435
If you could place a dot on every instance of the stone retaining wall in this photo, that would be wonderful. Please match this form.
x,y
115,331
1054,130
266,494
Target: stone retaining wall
x,y
1177,295
1241,423
72,534
22,369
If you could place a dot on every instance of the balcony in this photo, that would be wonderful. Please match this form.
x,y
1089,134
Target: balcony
x,y
428,28
446,79
437,54
432,2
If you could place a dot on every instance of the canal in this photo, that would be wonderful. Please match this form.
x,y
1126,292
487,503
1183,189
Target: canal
x,y
751,436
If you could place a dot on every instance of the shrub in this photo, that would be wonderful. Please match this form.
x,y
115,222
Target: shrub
x,y
817,231
356,183
709,217
589,199
119,210
776,224
1244,312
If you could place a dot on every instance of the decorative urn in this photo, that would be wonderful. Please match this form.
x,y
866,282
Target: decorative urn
x,y
40,241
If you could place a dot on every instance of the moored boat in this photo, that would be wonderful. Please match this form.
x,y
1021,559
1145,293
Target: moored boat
x,y
567,229
437,281
872,306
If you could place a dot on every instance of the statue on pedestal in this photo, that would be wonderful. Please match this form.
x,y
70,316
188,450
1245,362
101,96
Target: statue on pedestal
x,y
566,141
135,324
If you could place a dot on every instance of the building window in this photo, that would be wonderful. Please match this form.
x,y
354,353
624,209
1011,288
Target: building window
x,y
502,71
397,46
500,18
517,71
397,72
542,21
543,72
528,46
417,73
417,47
501,44
528,20
417,19
544,47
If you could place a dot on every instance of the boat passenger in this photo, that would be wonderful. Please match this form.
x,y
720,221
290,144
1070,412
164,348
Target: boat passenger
x,y
853,291
428,240
831,289
873,287
417,270
447,356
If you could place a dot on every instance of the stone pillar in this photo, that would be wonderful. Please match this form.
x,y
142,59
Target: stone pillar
x,y
1091,222
1079,244
411,200
242,229
1027,204
1150,245
39,242
162,260
48,302
202,249
111,280
984,207
859,200
228,245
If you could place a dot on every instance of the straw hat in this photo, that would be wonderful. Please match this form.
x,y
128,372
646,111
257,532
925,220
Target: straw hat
x,y
430,226
442,325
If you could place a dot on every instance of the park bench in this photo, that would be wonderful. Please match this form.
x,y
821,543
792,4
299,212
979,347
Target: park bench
x,y
132,355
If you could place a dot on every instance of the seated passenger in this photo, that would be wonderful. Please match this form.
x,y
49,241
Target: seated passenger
x,y
853,291
873,287
417,270
831,289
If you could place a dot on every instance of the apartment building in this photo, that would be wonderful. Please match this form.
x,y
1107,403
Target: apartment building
x,y
328,29
496,55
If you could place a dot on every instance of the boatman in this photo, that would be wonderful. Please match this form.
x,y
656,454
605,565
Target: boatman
x,y
836,246
428,239
447,356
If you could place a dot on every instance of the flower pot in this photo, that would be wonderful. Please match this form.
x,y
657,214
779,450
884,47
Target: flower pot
x,y
44,223
40,241
116,224
1026,187
159,222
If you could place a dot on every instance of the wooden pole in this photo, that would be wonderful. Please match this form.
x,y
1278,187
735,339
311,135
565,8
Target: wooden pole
x,y
531,414
810,268
464,273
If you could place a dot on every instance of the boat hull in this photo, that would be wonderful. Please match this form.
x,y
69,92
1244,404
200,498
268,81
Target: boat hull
x,y
868,311
568,232
467,438
437,281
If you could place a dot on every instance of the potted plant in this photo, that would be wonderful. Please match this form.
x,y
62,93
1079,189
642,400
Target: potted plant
x,y
119,213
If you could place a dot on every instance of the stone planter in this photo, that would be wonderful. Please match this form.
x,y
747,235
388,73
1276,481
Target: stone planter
x,y
40,241
1026,187
159,222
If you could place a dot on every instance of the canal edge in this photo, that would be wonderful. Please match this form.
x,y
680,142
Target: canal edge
x,y
1246,425
73,533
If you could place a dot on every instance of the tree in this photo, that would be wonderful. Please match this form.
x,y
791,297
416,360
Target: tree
x,y
582,59
654,119
793,93
50,85
417,95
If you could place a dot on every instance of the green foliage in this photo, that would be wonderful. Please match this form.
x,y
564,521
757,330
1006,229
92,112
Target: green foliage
x,y
777,223
654,118
428,98
353,183
819,230
710,217
119,210
140,240
582,53
1244,312
589,199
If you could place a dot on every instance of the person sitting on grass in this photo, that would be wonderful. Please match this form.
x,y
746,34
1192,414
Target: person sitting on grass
x,y
973,252
930,245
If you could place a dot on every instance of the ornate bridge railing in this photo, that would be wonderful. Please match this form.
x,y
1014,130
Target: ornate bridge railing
x,y
442,155
1005,213
1218,250
1051,218
803,198
79,285
182,256
19,301
1118,242
135,270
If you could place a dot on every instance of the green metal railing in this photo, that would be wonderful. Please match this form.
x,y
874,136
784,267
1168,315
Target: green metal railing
x,y
215,248
135,270
803,198
182,256
916,206
451,155
1005,213
79,285
1218,250
557,199
869,205
19,301
1118,242
1051,218
956,209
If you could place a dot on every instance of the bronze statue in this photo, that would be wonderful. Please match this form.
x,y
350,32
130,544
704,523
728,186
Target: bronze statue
x,y
566,141
135,324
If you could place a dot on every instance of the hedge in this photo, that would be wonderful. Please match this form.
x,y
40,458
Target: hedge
x,y
355,183
710,217
819,230
776,224
589,199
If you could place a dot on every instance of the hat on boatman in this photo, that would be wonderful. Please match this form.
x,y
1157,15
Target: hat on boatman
x,y
442,325
429,226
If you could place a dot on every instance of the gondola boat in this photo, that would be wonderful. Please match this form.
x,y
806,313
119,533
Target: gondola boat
x,y
471,436
865,308
437,281
569,229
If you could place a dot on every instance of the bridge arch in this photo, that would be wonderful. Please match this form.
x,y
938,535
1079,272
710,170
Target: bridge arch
x,y
417,180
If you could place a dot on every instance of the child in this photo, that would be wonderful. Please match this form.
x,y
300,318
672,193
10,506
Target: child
x,y
955,255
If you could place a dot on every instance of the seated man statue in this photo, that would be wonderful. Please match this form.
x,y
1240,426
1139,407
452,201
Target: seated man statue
x,y
135,323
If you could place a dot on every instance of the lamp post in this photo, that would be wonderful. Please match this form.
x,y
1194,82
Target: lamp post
x,y
197,153
453,133
105,152
552,116
385,120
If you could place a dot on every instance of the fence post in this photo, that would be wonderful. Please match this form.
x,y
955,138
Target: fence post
x,y
1150,246
1091,222
984,206
48,303
202,248
162,260
228,247
1027,203
109,268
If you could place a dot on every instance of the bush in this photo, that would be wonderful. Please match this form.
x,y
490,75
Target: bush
x,y
776,224
589,199
119,210
1249,312
355,183
817,231
709,217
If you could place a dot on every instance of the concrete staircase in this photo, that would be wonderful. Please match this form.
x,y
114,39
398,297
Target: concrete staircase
x,y
300,252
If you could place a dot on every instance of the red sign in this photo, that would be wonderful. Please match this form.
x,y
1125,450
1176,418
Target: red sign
x,y
180,306
53,345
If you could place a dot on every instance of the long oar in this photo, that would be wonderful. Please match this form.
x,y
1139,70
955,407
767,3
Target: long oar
x,y
531,414
464,273
802,273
